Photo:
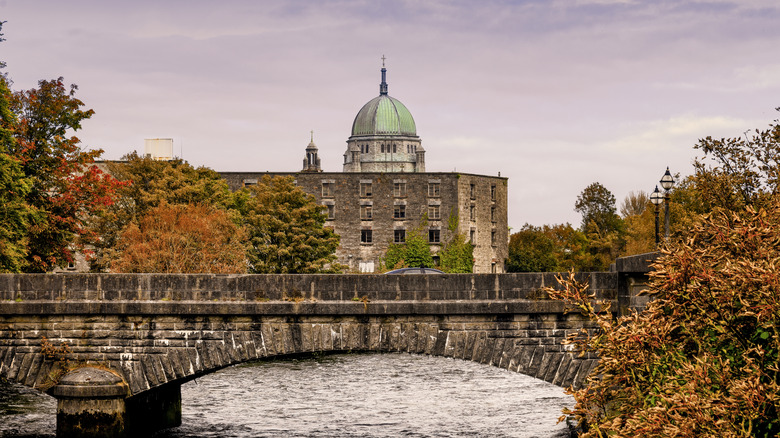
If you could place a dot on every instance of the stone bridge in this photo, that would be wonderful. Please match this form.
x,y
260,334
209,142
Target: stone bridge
x,y
122,344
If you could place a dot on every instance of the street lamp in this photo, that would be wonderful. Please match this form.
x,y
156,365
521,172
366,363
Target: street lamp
x,y
666,182
656,198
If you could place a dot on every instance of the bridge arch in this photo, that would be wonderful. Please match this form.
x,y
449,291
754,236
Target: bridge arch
x,y
148,352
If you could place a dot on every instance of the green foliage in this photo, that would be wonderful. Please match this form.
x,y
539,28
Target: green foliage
x,y
601,224
549,248
532,250
457,255
596,204
702,360
16,215
286,229
414,253
65,190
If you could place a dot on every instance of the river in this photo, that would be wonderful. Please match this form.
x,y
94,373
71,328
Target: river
x,y
347,395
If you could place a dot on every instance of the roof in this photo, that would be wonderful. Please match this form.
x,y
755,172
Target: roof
x,y
384,115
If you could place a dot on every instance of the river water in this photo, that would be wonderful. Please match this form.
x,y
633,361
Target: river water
x,y
355,395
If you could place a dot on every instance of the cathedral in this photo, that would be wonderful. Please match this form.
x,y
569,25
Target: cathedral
x,y
384,192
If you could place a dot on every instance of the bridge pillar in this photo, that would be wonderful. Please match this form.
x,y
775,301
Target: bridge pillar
x,y
90,403
156,409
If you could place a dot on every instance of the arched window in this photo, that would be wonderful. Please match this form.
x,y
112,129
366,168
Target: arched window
x,y
393,147
383,148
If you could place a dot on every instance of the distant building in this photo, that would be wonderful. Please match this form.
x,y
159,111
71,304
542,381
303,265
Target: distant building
x,y
384,192
159,148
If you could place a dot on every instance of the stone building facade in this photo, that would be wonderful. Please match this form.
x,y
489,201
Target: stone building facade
x,y
371,210
384,193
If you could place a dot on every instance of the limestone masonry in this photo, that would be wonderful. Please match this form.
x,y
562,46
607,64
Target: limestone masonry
x,y
384,193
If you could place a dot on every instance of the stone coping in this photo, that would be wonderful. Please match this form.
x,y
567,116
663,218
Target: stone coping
x,y
469,307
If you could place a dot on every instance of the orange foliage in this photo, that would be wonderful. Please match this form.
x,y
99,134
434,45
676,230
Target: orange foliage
x,y
182,239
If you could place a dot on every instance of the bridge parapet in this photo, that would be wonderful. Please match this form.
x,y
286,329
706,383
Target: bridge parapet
x,y
158,331
320,287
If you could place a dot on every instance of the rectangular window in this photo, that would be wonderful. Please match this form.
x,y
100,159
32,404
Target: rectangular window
x,y
327,190
493,236
366,212
433,189
493,214
492,192
399,236
434,236
366,236
433,212
250,182
399,189
472,191
331,212
473,237
472,213
399,212
365,189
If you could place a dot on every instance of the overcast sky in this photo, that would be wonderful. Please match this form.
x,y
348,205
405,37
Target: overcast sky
x,y
552,94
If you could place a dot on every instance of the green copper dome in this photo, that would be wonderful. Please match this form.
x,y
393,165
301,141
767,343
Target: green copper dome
x,y
384,115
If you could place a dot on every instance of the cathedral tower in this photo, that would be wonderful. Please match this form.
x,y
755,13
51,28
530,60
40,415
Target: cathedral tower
x,y
384,137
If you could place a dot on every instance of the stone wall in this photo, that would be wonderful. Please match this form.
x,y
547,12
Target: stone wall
x,y
454,197
154,330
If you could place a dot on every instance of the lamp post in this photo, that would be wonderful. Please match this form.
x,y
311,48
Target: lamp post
x,y
666,182
656,198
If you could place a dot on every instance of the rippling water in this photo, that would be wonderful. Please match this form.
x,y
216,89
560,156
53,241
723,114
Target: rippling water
x,y
356,395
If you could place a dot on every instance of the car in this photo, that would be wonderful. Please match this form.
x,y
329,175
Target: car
x,y
407,271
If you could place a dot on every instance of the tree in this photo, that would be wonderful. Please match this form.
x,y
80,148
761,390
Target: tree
x,y
739,172
66,188
634,204
415,252
191,238
549,248
532,250
457,255
286,229
148,184
702,359
601,224
16,214
596,204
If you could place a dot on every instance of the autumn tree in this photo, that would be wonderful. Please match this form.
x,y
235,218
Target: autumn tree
x,y
181,238
286,229
634,203
739,172
702,359
148,184
66,189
